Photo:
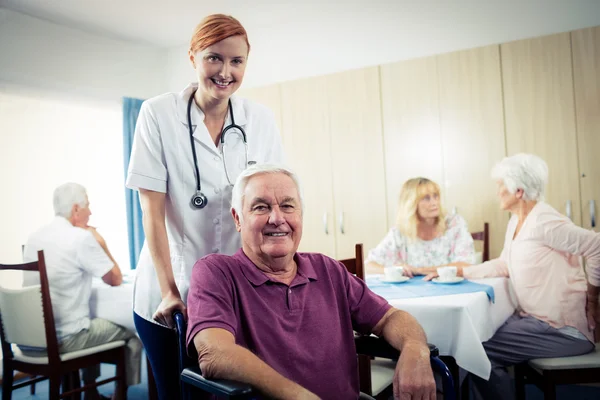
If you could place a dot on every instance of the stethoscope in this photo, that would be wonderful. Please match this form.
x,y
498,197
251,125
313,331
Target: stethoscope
x,y
199,200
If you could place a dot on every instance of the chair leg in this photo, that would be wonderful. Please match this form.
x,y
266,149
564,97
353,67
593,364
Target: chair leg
x,y
54,386
75,384
121,388
7,382
549,389
32,387
520,376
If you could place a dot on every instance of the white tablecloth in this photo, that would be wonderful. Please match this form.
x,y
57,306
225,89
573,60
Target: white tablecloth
x,y
458,324
113,303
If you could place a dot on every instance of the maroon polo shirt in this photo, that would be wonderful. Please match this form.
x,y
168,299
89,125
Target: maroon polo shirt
x,y
304,331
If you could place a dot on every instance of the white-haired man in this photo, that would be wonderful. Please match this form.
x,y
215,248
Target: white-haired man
x,y
283,321
75,252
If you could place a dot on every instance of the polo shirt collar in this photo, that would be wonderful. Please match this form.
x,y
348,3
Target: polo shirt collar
x,y
258,278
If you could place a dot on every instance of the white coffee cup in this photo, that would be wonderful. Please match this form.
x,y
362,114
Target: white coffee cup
x,y
447,273
393,273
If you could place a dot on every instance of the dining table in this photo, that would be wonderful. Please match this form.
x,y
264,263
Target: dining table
x,y
456,323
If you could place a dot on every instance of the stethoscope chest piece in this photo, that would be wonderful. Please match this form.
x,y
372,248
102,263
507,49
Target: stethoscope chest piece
x,y
199,200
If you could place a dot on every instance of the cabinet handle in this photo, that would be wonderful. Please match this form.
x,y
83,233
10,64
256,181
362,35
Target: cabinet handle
x,y
569,210
342,222
593,213
325,223
454,210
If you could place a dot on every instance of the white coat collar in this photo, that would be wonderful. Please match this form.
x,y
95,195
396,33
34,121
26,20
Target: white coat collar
x,y
239,113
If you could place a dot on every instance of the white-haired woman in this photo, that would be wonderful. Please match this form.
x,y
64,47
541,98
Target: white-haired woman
x,y
424,237
557,306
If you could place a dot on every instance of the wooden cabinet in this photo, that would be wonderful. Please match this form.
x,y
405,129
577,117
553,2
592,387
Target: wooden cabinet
x,y
307,143
411,126
269,96
472,132
332,135
357,157
355,137
540,112
586,74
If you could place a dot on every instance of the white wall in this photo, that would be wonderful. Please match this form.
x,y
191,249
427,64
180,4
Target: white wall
x,y
46,141
36,53
338,38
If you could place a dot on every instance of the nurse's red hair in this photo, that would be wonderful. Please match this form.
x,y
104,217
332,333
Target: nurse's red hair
x,y
215,28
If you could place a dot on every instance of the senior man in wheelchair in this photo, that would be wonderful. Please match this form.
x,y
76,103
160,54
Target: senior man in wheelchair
x,y
283,321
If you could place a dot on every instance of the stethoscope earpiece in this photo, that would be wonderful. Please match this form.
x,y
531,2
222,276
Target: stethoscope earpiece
x,y
199,200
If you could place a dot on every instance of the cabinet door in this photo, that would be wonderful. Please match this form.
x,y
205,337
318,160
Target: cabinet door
x,y
269,96
540,112
357,155
308,147
586,71
472,125
411,125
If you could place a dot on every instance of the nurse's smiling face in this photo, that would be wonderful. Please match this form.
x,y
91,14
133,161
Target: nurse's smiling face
x,y
220,68
271,226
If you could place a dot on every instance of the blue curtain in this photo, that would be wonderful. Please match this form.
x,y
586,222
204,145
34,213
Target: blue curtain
x,y
135,230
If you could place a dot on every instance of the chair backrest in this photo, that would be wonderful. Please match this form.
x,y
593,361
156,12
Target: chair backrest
x,y
24,319
485,237
356,265
23,316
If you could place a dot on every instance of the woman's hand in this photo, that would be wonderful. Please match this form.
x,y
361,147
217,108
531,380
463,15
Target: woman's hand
x,y
593,315
430,276
410,271
169,304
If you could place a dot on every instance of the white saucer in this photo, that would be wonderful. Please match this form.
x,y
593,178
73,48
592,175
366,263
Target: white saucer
x,y
449,281
403,279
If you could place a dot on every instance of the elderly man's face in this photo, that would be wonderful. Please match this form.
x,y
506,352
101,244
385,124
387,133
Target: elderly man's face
x,y
272,216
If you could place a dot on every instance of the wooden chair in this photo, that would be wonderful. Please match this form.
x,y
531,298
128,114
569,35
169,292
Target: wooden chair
x,y
546,373
366,371
26,319
485,236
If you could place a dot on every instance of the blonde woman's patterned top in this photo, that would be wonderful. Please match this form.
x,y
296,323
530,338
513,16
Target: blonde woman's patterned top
x,y
455,245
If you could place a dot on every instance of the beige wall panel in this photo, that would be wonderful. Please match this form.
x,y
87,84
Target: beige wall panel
x,y
586,71
540,113
411,125
308,147
269,96
357,155
472,124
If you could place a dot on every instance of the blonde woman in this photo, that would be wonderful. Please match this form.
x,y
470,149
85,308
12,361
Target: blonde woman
x,y
424,236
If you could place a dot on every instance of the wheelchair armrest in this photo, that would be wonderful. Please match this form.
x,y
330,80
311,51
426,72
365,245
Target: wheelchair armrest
x,y
377,347
219,387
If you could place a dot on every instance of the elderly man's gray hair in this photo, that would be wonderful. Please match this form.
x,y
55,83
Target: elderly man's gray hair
x,y
523,171
66,196
237,197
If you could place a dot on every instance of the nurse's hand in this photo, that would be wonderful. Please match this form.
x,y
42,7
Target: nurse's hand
x,y
166,308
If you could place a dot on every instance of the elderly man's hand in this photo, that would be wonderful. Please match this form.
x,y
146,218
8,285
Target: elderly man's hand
x,y
413,379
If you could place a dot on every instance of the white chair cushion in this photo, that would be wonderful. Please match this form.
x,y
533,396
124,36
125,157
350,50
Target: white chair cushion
x,y
478,257
590,360
382,374
19,356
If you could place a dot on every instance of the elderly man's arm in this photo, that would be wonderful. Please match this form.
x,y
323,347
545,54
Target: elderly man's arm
x,y
114,277
220,358
413,377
